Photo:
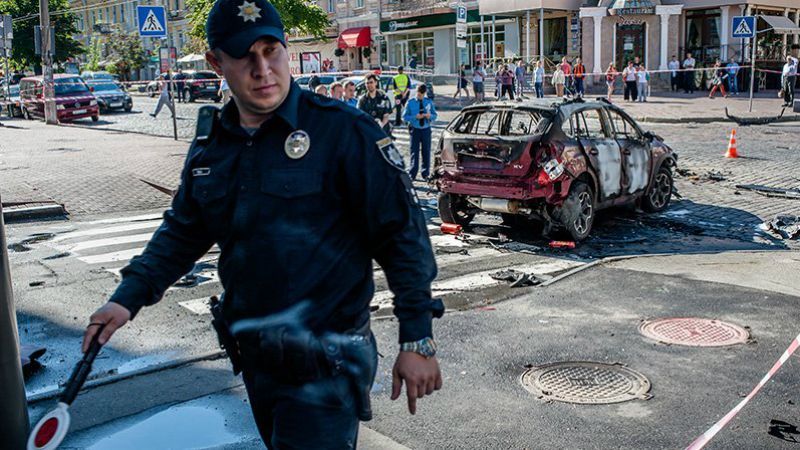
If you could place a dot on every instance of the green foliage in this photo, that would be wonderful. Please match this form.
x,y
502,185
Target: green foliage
x,y
28,11
127,54
297,15
94,56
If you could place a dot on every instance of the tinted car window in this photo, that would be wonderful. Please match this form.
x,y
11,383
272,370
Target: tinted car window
x,y
205,76
104,87
623,128
73,85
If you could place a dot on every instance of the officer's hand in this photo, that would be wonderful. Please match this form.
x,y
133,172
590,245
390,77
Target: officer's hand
x,y
421,375
112,315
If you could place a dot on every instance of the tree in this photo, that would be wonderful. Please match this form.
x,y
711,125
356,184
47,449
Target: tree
x,y
93,59
304,17
26,15
127,54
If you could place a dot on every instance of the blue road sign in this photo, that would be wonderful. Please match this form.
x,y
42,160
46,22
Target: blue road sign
x,y
152,21
744,27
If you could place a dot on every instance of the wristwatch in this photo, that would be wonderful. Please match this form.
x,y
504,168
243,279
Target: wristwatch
x,y
425,347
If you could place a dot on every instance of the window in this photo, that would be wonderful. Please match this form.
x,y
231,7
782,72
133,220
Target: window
x,y
703,34
482,122
359,3
593,124
522,123
555,37
623,128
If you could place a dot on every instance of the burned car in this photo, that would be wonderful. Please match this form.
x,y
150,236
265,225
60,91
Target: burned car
x,y
555,164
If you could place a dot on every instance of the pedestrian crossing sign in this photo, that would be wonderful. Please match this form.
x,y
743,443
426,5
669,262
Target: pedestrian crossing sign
x,y
744,26
152,21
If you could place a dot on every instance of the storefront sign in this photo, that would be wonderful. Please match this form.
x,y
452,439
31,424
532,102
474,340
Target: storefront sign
x,y
310,62
431,20
461,30
168,57
633,11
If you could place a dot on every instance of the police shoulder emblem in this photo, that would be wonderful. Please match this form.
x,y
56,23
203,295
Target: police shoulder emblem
x,y
249,12
390,153
297,144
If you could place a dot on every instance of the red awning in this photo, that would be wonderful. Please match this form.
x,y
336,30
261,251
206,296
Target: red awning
x,y
355,37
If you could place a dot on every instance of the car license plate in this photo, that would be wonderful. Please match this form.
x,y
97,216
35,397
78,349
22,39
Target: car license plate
x,y
79,111
116,104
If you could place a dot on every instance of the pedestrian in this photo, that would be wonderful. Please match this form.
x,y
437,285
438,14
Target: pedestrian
x,y
401,84
611,77
630,80
718,79
376,103
579,73
642,80
788,80
180,85
507,81
298,226
461,83
521,74
567,69
420,113
538,79
498,81
350,93
478,77
337,91
688,74
412,63
637,62
314,81
733,72
558,81
674,80
164,97
322,90
224,91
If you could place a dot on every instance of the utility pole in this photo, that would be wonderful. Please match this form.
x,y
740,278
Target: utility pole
x,y
13,404
47,65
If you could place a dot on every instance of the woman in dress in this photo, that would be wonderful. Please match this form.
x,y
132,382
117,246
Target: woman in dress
x,y
611,79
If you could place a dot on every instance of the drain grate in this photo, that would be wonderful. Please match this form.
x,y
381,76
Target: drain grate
x,y
586,383
694,332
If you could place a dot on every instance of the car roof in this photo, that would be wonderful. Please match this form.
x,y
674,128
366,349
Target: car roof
x,y
565,107
56,76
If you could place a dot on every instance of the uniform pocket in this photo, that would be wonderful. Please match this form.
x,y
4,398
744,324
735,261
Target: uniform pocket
x,y
211,193
291,183
292,203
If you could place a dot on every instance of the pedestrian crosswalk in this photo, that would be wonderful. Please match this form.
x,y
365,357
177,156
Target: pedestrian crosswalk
x,y
109,244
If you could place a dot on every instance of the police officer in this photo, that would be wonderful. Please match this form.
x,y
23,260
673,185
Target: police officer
x,y
376,103
300,207
401,83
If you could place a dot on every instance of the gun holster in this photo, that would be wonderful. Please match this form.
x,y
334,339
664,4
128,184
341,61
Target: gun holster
x,y
226,339
355,356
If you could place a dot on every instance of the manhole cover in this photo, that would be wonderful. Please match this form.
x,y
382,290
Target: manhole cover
x,y
586,383
694,332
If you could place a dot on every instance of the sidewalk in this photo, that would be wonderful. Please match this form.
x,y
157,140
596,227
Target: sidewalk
x,y
666,107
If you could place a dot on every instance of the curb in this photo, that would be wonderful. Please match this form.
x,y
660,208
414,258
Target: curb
x,y
43,211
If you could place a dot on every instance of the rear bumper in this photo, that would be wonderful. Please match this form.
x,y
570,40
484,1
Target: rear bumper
x,y
530,192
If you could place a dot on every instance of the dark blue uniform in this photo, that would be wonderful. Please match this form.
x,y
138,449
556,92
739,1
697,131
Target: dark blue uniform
x,y
296,229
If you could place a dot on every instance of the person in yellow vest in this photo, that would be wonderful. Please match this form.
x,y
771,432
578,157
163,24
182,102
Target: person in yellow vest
x,y
401,82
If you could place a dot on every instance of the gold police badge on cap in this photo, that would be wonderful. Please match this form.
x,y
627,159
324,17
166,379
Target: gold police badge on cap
x,y
297,144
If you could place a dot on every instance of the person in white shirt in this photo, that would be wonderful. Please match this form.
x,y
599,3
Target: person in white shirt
x,y
641,77
674,79
478,75
789,79
688,76
629,78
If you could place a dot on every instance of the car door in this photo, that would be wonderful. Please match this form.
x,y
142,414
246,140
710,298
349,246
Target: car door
x,y
602,149
636,156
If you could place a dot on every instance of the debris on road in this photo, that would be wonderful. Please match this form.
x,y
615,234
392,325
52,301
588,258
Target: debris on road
x,y
451,250
451,228
787,227
744,121
517,278
29,355
36,283
562,244
771,191
160,188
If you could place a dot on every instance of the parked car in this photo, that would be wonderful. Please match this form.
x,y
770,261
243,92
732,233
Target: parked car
x,y
555,164
201,84
74,99
386,84
11,101
98,75
153,88
325,80
110,96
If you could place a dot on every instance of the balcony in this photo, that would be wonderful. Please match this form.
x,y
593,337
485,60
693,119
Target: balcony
x,y
414,5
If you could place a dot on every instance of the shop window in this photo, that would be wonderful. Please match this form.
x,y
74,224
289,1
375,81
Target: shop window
x,y
702,34
555,37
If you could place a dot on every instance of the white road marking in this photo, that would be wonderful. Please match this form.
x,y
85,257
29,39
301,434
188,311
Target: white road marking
x,y
154,216
122,255
107,230
198,306
107,242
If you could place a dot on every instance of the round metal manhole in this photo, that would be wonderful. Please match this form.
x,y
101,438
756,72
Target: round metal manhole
x,y
586,383
694,332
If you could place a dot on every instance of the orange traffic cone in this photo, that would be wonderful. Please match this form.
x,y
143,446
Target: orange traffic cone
x,y
731,153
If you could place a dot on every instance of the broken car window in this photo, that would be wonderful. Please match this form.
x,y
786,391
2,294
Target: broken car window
x,y
593,124
623,129
479,122
523,123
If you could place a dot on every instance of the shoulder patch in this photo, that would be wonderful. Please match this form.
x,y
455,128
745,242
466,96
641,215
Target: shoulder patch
x,y
390,153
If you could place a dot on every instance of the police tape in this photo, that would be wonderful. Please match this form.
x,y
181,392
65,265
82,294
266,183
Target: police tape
x,y
704,439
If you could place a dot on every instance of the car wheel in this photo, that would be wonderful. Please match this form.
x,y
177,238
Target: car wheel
x,y
188,95
95,118
577,213
128,107
658,197
454,209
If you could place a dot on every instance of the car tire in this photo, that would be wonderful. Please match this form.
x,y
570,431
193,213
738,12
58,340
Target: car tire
x,y
128,108
187,94
95,118
657,198
454,209
578,212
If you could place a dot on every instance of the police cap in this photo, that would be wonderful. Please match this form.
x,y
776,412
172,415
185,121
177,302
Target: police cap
x,y
234,25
